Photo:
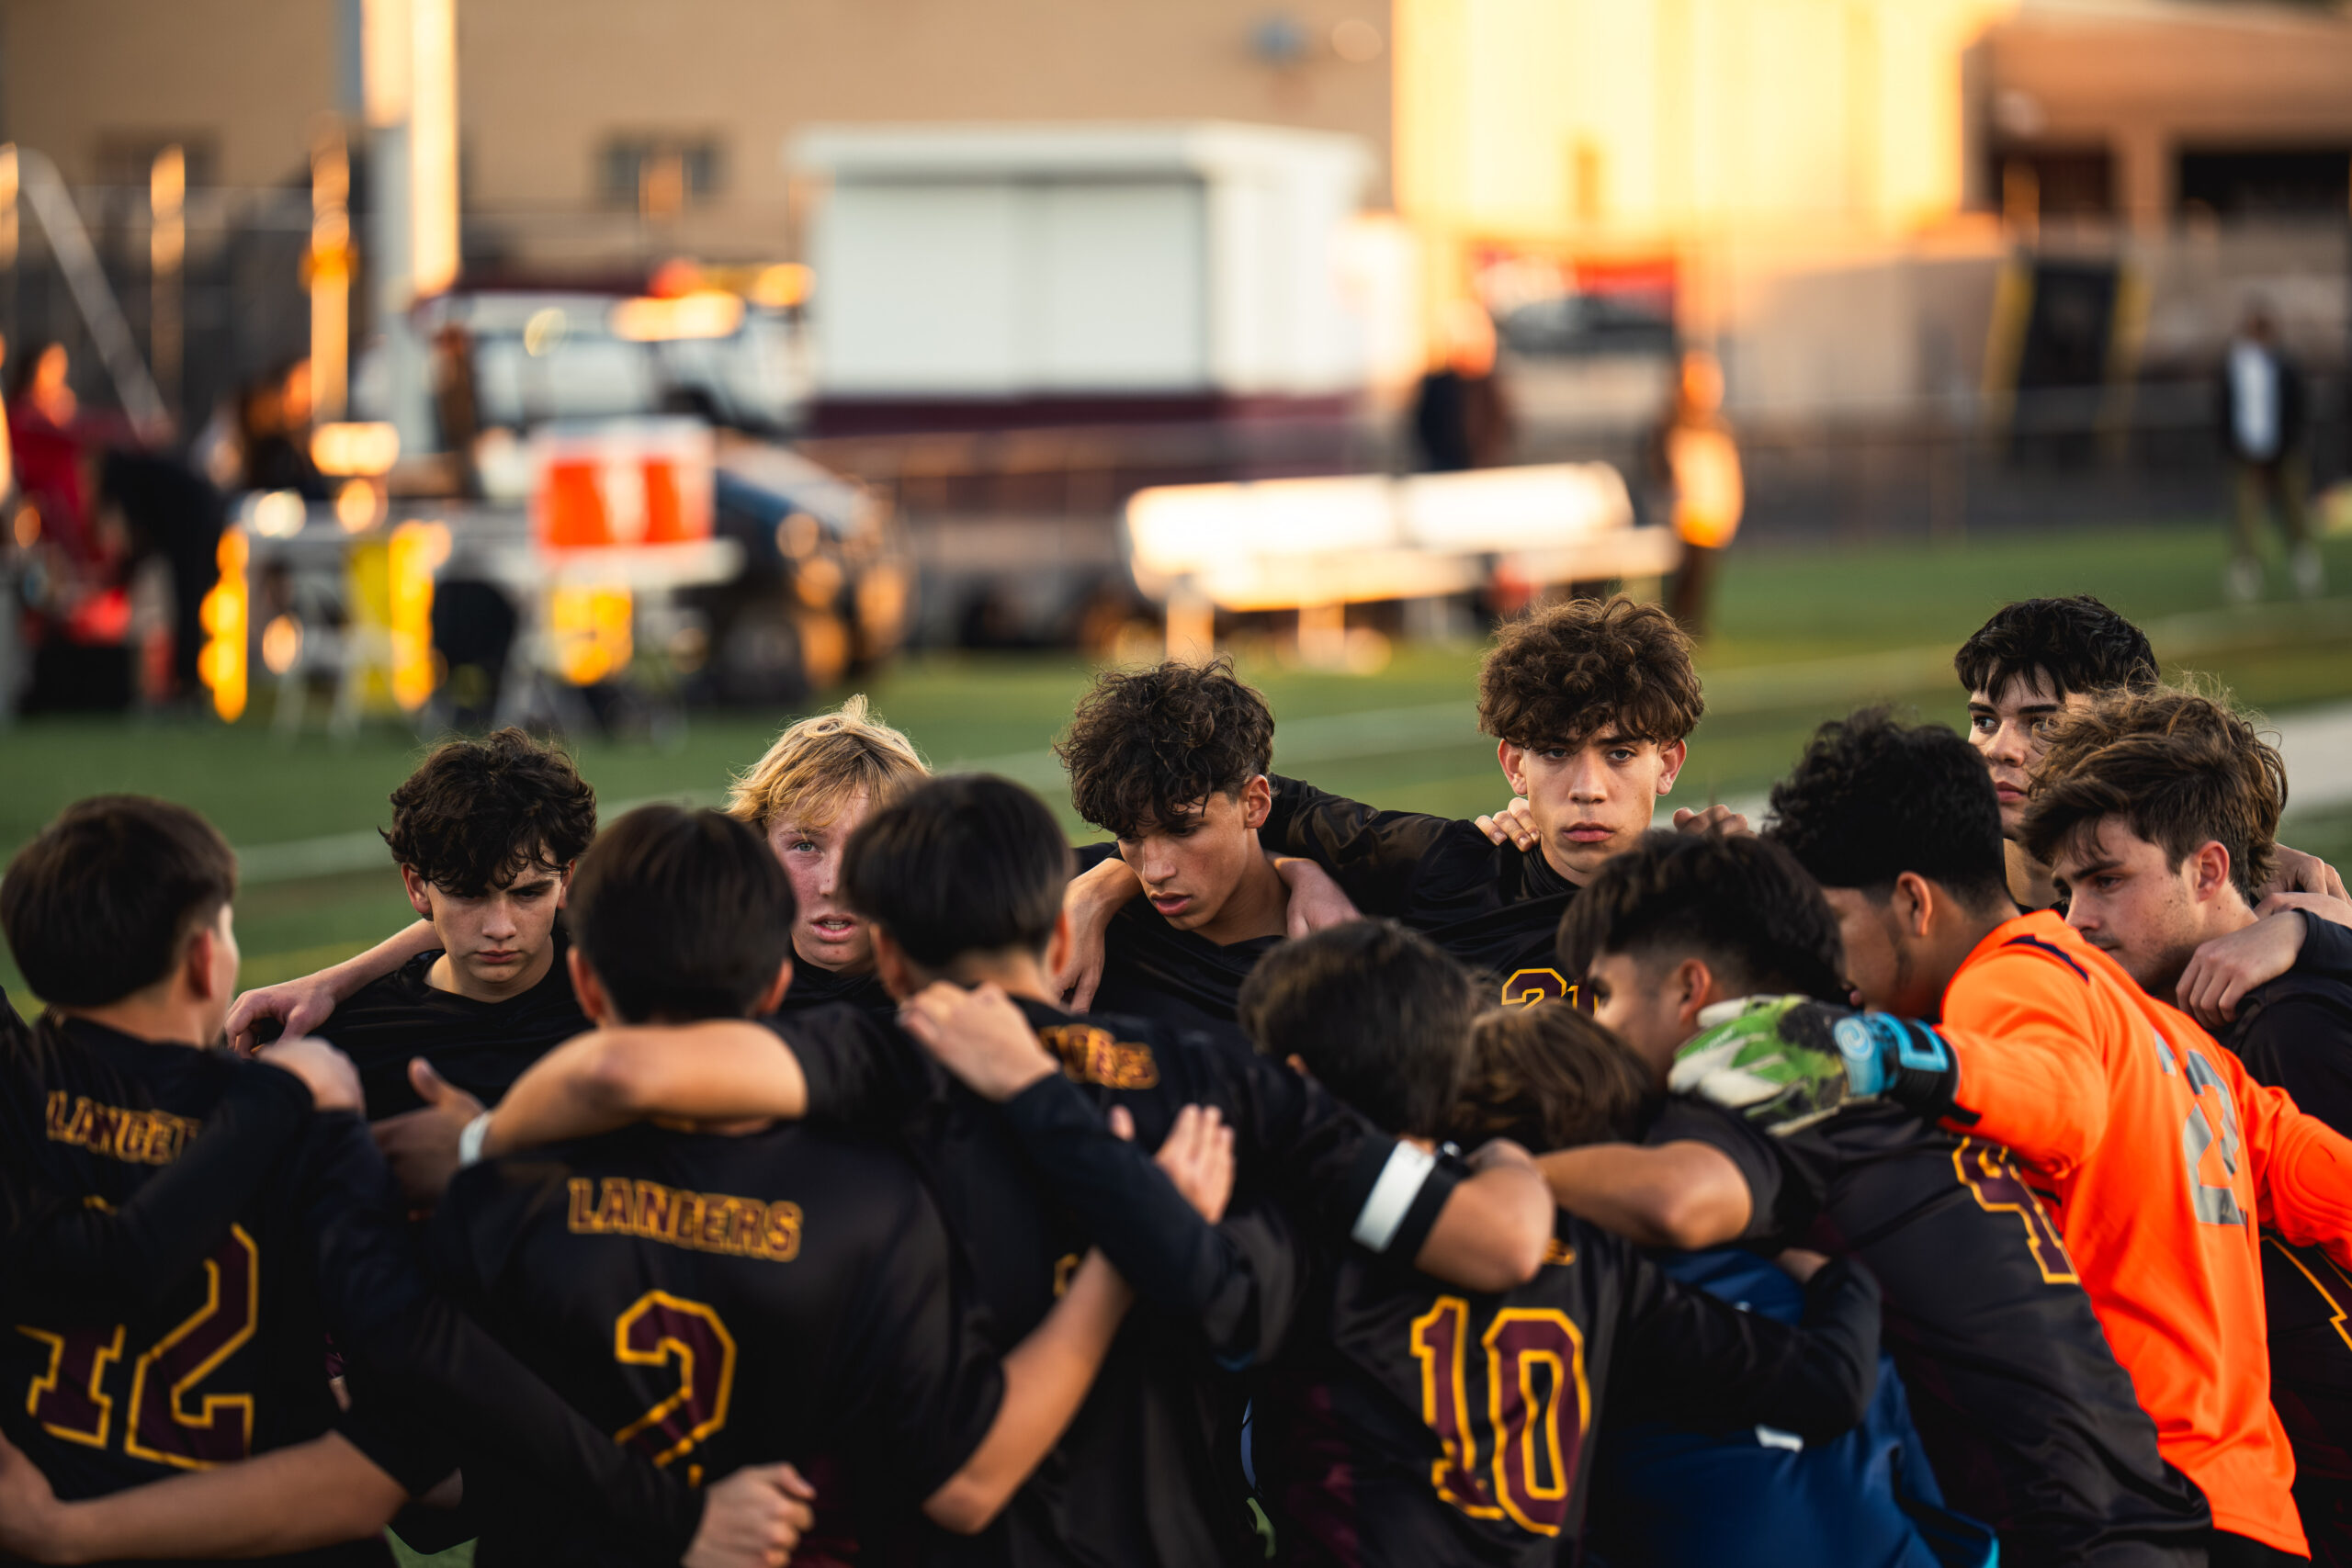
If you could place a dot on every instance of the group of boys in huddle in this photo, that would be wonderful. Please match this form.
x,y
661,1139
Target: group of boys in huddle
x,y
1953,1173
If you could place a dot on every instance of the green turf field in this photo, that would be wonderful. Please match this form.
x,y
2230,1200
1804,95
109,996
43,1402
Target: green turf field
x,y
1801,636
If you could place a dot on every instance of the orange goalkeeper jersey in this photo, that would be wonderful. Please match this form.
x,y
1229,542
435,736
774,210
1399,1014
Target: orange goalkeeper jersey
x,y
2160,1157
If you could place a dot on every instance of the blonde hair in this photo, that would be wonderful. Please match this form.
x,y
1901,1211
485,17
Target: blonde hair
x,y
816,765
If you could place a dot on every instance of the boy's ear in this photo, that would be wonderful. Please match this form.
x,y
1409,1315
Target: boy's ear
x,y
891,965
773,997
2211,864
195,961
1672,754
1914,904
1693,987
419,897
589,991
1257,802
1513,760
563,886
1058,945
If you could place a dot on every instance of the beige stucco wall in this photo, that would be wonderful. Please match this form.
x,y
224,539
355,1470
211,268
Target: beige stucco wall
x,y
543,83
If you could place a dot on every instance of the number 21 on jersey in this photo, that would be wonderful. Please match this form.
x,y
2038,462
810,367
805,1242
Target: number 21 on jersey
x,y
1534,1364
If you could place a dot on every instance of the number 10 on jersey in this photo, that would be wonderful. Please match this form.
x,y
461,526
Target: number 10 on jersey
x,y
1534,1365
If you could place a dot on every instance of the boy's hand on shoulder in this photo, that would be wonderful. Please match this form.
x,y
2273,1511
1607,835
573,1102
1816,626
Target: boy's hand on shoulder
x,y
979,1036
421,1145
295,1007
1513,825
1090,900
1317,901
326,1072
1718,820
2221,971
2299,873
1197,1155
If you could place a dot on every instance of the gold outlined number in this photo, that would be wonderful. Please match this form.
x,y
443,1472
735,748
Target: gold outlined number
x,y
1991,1174
169,1421
659,1328
1535,1356
1527,986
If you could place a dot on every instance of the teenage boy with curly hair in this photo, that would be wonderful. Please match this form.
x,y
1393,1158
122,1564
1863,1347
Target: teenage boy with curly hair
x,y
1591,705
485,833
1177,909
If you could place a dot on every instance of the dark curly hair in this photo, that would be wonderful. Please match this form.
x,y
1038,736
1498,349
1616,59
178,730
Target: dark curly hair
x,y
1380,1014
2076,644
2178,766
476,813
1145,747
1549,1077
1744,904
1578,669
1873,799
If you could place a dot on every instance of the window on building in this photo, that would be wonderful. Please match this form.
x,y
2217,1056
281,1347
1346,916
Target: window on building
x,y
2272,182
660,174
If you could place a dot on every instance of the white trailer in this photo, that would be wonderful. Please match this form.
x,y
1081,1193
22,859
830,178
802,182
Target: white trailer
x,y
1060,265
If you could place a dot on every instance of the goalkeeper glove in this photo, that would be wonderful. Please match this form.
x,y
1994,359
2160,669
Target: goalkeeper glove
x,y
1784,1062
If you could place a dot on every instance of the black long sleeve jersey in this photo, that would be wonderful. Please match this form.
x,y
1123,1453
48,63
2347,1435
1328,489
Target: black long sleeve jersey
x,y
1496,906
2296,1033
2030,1422
714,1301
1416,1424
481,1048
1153,970
1144,1474
218,1350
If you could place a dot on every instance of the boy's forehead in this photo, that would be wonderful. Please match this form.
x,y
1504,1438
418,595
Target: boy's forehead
x,y
1609,732
535,866
2021,689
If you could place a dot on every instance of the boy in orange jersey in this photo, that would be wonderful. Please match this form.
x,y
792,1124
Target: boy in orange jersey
x,y
2155,1152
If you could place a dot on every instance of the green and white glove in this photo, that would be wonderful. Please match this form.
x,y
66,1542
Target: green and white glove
x,y
1784,1062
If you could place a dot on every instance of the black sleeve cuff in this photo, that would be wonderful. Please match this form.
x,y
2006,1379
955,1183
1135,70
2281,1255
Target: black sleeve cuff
x,y
1172,1256
2327,948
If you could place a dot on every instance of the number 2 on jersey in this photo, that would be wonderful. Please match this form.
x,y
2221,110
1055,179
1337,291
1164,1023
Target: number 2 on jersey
x,y
1535,1358
659,1327
168,1421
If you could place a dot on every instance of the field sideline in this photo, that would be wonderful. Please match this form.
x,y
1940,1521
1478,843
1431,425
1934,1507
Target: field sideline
x,y
1802,636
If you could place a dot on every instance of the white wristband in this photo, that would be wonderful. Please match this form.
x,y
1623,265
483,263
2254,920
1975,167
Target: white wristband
x,y
470,1141
1400,1182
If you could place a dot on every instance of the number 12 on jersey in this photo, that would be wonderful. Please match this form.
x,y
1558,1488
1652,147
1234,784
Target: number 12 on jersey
x,y
1535,1361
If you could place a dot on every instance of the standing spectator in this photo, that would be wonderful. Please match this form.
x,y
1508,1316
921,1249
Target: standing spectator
x,y
1460,420
43,440
2262,428
1702,461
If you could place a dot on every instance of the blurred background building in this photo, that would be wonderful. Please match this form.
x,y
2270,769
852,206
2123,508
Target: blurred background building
x,y
1964,262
